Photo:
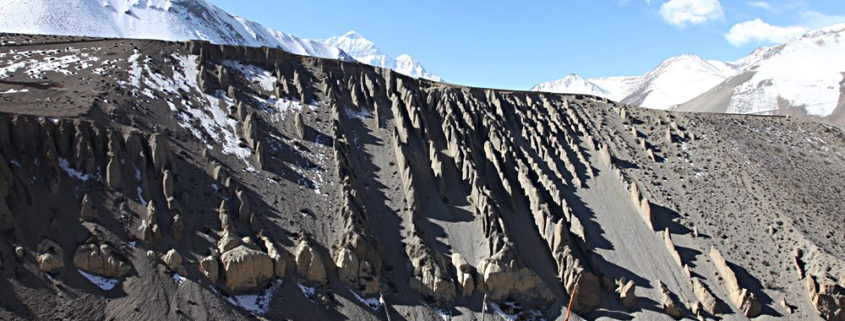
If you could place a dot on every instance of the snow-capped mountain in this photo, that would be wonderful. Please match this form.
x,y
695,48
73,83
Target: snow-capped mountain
x,y
366,52
675,81
179,20
174,20
804,76
574,84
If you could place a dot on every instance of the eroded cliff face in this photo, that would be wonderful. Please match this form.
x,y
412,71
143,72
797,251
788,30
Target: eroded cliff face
x,y
170,180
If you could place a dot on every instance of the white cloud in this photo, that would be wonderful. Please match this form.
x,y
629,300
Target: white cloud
x,y
680,13
761,4
759,31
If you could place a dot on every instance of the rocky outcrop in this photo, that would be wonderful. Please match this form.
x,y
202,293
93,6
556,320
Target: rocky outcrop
x,y
503,276
827,297
706,298
100,260
670,303
741,298
275,253
309,262
246,269
430,276
465,274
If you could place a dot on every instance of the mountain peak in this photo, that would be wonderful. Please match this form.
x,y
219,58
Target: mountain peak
x,y
365,51
352,34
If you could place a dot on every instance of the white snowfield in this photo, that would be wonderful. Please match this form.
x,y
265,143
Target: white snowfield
x,y
174,20
805,72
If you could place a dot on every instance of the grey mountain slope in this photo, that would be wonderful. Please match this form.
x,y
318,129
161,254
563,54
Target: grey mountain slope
x,y
310,183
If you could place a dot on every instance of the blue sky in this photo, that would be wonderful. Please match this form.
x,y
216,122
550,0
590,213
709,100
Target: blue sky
x,y
516,44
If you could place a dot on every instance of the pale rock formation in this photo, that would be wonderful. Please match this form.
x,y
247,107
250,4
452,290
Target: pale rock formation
x,y
173,261
210,267
100,260
465,274
741,298
246,269
275,253
50,256
309,263
706,298
669,302
827,297
504,276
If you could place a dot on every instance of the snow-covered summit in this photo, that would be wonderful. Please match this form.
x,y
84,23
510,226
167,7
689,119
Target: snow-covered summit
x,y
366,52
574,84
675,81
805,72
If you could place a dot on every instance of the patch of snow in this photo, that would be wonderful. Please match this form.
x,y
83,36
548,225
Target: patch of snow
x,y
65,165
178,279
14,91
258,75
373,303
307,291
103,283
363,113
524,315
213,114
259,303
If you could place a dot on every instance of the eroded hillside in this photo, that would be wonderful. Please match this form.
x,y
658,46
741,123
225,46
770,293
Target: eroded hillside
x,y
157,180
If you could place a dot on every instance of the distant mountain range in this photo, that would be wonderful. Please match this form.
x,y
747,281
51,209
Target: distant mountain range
x,y
184,20
802,77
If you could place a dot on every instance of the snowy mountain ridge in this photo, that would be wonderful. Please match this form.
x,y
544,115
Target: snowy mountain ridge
x,y
172,20
366,52
659,88
802,77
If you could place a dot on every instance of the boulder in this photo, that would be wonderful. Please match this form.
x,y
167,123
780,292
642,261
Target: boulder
x,y
173,261
50,263
100,260
246,269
